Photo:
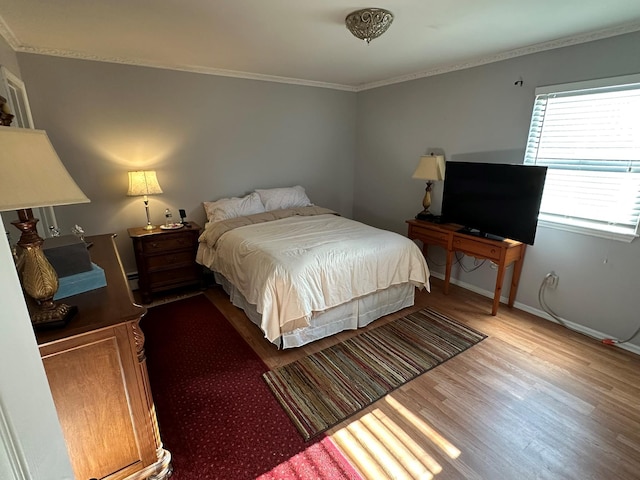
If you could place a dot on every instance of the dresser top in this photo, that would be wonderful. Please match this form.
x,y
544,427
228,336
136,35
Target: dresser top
x,y
102,307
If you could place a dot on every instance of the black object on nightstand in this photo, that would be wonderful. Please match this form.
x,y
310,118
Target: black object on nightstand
x,y
428,217
166,259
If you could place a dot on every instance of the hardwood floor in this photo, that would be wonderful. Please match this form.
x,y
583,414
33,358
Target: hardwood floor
x,y
532,401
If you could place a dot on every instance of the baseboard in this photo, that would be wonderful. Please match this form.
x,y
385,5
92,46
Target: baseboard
x,y
540,313
132,279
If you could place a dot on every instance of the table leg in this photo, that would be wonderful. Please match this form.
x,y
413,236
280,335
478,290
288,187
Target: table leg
x,y
515,279
498,291
447,274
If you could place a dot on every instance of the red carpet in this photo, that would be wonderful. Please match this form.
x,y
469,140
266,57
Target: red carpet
x,y
217,416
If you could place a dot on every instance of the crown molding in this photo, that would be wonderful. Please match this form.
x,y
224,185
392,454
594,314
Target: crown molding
x,y
15,44
8,35
518,52
183,68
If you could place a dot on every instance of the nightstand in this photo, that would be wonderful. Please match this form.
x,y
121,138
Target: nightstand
x,y
166,259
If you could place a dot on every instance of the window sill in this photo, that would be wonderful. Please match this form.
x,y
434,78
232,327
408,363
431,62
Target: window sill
x,y
585,228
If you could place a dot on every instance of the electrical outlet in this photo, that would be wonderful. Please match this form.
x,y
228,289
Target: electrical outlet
x,y
552,280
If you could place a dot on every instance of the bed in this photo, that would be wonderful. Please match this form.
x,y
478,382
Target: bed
x,y
302,272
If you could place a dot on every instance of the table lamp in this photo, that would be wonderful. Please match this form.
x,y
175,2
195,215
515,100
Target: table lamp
x,y
430,168
33,176
143,183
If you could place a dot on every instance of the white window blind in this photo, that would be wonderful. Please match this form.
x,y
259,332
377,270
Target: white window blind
x,y
588,135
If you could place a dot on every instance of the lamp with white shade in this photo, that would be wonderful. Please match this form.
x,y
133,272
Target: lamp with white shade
x,y
430,168
141,184
33,176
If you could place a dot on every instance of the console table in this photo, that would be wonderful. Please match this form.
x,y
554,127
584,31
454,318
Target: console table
x,y
502,252
97,372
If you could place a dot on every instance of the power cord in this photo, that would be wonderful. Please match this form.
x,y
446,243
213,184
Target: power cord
x,y
464,267
431,262
549,311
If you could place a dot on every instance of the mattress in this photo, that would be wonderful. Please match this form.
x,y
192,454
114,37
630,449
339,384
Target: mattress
x,y
295,267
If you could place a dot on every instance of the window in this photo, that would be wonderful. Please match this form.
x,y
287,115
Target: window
x,y
588,135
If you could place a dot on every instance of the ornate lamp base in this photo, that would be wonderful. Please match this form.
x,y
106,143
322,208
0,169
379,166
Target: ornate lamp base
x,y
39,279
58,317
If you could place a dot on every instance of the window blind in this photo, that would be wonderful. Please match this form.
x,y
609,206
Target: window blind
x,y
589,138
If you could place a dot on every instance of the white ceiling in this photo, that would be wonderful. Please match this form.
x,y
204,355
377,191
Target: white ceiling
x,y
306,41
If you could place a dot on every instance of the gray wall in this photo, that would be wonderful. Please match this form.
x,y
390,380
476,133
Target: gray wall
x,y
208,137
9,59
480,115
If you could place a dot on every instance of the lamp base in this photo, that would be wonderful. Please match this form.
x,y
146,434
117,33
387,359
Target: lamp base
x,y
429,217
149,227
58,317
38,278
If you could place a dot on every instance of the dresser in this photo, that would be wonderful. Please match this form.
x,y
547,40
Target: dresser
x,y
166,259
448,236
97,373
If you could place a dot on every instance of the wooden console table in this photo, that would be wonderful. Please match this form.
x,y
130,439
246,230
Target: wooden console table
x,y
502,252
97,372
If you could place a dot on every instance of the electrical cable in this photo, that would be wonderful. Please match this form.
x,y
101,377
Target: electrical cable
x,y
430,261
465,268
549,311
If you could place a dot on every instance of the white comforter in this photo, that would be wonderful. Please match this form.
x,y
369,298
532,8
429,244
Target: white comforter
x,y
292,267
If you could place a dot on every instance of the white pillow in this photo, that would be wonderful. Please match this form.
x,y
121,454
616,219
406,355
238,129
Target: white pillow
x,y
280,198
233,207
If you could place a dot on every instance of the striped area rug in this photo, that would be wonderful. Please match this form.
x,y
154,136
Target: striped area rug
x,y
321,390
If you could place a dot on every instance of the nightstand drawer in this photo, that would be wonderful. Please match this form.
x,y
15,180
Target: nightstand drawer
x,y
174,277
167,243
171,259
432,237
477,248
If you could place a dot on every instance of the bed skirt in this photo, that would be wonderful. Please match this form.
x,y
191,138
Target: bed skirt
x,y
348,316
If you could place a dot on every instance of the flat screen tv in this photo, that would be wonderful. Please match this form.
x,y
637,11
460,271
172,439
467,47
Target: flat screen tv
x,y
494,199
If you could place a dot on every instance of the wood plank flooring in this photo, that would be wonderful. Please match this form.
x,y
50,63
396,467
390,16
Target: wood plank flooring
x,y
532,401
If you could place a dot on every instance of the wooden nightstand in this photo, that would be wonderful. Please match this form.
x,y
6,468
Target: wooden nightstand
x,y
166,259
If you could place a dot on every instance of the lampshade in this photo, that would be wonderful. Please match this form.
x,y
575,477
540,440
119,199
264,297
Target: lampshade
x,y
430,167
32,174
143,182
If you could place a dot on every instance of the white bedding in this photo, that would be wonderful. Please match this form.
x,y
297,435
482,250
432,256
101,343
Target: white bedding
x,y
291,267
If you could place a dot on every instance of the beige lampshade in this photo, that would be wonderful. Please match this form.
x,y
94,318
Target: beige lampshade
x,y
143,182
31,173
430,167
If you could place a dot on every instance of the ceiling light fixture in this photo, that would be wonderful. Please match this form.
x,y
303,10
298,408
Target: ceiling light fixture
x,y
369,23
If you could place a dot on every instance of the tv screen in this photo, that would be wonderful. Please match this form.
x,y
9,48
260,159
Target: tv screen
x,y
494,199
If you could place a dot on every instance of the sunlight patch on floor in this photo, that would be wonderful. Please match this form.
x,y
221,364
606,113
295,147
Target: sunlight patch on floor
x,y
381,448
434,436
358,455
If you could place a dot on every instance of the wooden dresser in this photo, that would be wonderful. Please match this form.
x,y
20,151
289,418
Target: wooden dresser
x,y
97,373
502,252
166,259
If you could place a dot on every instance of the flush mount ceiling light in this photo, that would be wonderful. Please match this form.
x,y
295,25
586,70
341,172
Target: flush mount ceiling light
x,y
369,23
